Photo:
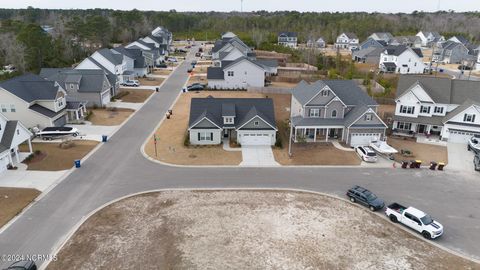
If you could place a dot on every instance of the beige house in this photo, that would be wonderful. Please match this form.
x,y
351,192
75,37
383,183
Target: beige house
x,y
12,134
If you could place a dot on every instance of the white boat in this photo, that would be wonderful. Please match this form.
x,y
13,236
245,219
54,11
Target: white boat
x,y
382,147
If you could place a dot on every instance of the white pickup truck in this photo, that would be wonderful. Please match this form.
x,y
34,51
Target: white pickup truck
x,y
415,219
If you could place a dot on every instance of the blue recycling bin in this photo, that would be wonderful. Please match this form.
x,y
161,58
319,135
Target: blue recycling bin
x,y
77,163
104,138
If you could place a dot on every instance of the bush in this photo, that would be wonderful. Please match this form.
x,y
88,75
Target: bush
x,y
278,142
37,152
89,114
186,140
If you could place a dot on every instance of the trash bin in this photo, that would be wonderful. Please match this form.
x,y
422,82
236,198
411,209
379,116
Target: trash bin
x,y
168,115
413,164
404,164
104,138
441,165
170,112
418,163
433,165
77,163
156,89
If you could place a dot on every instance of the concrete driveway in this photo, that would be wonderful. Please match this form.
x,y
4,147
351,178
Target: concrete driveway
x,y
258,156
459,158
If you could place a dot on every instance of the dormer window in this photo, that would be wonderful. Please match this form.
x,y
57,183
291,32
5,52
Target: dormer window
x,y
314,112
334,114
438,110
256,123
469,118
325,93
228,120
425,109
368,117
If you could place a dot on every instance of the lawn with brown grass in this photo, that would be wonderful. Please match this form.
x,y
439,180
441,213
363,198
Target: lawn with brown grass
x,y
150,81
109,117
13,200
200,69
134,95
420,151
315,154
197,79
162,71
56,158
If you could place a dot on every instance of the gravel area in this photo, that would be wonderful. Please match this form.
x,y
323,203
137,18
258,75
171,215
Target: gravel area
x,y
245,230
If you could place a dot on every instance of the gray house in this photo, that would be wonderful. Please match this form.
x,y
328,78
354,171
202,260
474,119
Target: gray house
x,y
369,55
335,109
89,86
451,52
248,121
370,42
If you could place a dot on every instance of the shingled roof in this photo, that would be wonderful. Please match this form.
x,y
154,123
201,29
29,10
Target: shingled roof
x,y
30,87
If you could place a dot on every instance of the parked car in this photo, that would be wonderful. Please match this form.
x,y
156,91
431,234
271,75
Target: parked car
x,y
365,197
464,67
133,83
23,265
415,219
198,54
476,162
366,153
474,144
196,87
161,65
50,133
172,59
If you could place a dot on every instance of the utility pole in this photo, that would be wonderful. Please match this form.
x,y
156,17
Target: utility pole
x,y
241,6
290,140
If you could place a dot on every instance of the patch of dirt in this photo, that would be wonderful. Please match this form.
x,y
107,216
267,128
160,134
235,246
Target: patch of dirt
x,y
165,71
150,81
135,95
246,230
56,158
109,117
197,79
420,151
13,200
386,111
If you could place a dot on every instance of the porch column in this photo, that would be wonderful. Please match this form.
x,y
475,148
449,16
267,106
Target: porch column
x,y
315,135
30,145
16,155
343,133
76,115
326,135
295,136
10,158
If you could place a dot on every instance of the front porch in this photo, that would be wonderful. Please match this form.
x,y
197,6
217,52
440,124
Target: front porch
x,y
15,157
76,111
318,134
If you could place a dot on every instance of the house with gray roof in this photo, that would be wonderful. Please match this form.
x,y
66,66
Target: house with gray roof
x,y
369,55
429,39
382,36
334,110
451,52
443,107
229,48
247,121
136,65
409,41
85,87
370,42
347,41
402,59
288,39
34,101
12,134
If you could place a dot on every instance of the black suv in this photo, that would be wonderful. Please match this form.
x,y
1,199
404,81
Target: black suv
x,y
23,265
365,197
476,162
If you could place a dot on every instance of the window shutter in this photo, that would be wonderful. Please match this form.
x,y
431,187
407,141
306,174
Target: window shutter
x,y
198,136
473,118
211,136
413,110
464,118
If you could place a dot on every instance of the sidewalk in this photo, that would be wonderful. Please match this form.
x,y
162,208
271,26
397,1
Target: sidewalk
x,y
337,145
39,180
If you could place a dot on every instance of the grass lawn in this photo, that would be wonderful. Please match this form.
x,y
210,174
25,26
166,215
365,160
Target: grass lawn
x,y
134,95
200,69
420,151
162,71
197,79
150,81
109,117
56,158
13,200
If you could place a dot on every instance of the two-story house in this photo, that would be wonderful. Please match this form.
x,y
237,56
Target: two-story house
x,y
382,36
230,48
348,41
402,59
450,52
12,134
440,107
165,34
34,101
429,39
152,54
409,41
370,42
248,121
334,109
134,60
239,74
288,39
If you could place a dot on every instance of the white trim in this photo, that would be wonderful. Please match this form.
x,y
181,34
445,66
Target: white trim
x,y
367,111
477,108
336,98
201,121
319,91
250,120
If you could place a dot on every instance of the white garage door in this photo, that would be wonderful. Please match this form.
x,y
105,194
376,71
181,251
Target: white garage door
x,y
105,98
362,139
3,163
256,139
460,136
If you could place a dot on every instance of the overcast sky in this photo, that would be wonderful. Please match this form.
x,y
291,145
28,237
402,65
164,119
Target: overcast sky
x,y
251,5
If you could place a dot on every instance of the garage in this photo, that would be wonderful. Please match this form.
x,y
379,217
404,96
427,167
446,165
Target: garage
x,y
3,163
60,122
459,136
359,139
257,138
105,98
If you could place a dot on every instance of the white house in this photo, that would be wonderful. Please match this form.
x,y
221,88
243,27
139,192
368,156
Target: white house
x,y
12,134
239,74
288,39
348,41
440,107
383,36
134,61
430,38
402,59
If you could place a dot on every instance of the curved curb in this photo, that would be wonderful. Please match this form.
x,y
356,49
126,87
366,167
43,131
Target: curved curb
x,y
61,243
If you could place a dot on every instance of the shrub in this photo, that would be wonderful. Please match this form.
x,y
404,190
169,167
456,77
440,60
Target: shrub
x,y
186,140
278,142
89,115
37,152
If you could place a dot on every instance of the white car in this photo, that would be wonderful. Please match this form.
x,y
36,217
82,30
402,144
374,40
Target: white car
x,y
474,144
172,59
366,153
131,83
415,219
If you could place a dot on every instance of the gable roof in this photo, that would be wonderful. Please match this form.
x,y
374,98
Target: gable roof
x,y
113,58
112,78
442,90
397,50
383,35
288,34
367,52
8,135
350,35
461,39
89,80
133,53
31,87
245,109
215,73
467,104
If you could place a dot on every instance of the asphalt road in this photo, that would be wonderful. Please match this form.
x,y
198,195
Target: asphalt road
x,y
118,169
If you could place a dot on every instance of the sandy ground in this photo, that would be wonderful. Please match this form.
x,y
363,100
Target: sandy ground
x,y
197,79
150,81
421,151
135,95
56,158
104,117
385,111
283,84
245,230
13,200
162,71
200,69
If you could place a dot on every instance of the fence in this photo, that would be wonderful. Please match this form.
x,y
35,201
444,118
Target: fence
x,y
269,90
384,100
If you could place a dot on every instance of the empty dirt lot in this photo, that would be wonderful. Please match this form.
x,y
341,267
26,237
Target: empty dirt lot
x,y
13,200
245,230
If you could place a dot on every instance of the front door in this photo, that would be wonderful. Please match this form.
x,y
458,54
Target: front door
x,y
225,133
332,133
422,128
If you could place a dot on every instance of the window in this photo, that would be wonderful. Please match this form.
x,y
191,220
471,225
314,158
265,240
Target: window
x,y
334,114
12,108
228,120
4,108
469,118
368,117
256,123
230,73
407,109
205,136
404,126
325,93
314,112
18,131
438,110
71,86
425,109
